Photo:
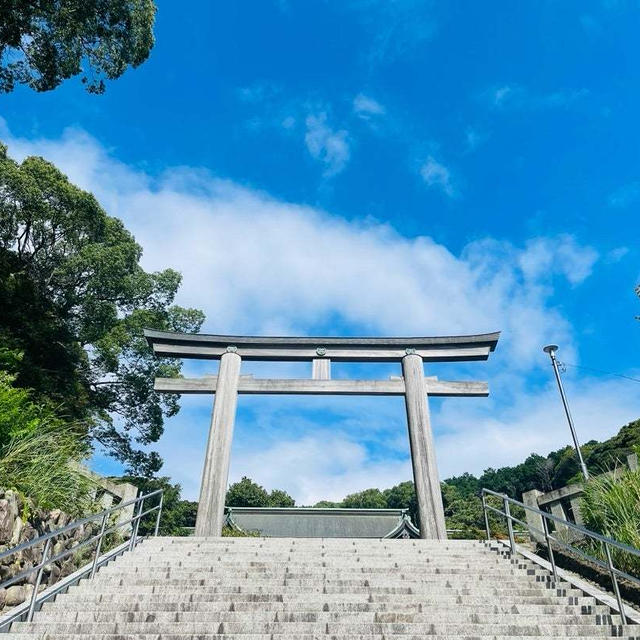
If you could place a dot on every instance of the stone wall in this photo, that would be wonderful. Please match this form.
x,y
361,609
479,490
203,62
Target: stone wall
x,y
14,530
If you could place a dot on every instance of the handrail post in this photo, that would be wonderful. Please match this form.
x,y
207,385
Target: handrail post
x,y
552,558
96,555
486,516
614,579
155,533
134,532
507,513
36,585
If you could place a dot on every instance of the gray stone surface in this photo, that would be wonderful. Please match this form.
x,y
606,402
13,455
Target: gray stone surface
x,y
303,589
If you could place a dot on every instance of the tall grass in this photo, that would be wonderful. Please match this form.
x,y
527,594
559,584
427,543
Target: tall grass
x,y
37,451
37,464
611,506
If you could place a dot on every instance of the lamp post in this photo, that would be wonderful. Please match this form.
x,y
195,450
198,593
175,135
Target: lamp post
x,y
551,350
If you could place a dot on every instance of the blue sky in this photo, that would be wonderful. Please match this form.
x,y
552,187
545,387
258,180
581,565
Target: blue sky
x,y
379,168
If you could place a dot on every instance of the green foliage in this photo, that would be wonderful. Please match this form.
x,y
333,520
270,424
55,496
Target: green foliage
x,y
610,506
38,451
367,499
280,498
75,302
43,43
230,532
403,496
247,493
327,504
177,515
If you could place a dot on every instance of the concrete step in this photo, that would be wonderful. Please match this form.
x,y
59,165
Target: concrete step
x,y
329,628
293,599
123,606
274,636
297,589
477,616
459,589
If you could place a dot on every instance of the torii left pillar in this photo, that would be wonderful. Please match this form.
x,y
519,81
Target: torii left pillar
x,y
215,475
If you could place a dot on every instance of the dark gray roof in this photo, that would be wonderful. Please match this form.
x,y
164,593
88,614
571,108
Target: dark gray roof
x,y
170,337
304,522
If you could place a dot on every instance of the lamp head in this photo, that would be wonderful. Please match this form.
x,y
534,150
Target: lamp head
x,y
550,348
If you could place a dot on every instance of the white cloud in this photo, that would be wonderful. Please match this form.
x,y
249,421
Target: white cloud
x,y
625,196
366,107
329,146
435,174
260,265
513,96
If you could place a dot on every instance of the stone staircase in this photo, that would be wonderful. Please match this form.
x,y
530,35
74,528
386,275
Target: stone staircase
x,y
352,589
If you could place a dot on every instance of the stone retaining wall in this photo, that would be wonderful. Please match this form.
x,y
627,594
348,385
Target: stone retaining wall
x,y
14,530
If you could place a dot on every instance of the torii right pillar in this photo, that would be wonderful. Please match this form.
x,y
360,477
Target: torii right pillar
x,y
423,459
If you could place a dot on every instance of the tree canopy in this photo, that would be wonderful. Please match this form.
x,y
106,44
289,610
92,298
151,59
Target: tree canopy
x,y
247,493
46,42
75,302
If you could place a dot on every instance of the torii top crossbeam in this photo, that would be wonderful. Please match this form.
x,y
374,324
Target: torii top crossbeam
x,y
413,385
430,349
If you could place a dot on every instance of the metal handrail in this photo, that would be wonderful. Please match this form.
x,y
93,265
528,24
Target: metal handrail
x,y
614,572
103,516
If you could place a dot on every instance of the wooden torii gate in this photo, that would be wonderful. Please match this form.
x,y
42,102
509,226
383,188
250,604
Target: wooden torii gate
x,y
412,353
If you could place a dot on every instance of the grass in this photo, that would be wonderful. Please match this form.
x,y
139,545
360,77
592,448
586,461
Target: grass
x,y
611,506
36,464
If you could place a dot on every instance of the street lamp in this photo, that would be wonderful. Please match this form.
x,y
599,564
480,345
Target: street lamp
x,y
551,350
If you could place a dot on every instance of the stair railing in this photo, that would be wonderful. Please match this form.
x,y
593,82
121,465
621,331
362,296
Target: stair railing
x,y
547,518
46,541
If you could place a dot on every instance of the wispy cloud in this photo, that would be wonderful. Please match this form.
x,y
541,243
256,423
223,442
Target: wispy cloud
x,y
625,196
366,107
395,28
436,175
513,96
329,146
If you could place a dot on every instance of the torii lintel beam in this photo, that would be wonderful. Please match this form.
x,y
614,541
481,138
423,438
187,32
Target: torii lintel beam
x,y
431,349
304,386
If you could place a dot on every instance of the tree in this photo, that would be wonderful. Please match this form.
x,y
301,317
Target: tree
x,y
403,496
280,498
247,493
75,302
367,499
177,514
43,43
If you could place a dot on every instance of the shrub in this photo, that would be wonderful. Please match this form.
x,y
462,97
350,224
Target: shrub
x,y
611,506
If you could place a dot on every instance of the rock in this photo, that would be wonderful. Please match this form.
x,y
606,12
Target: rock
x,y
9,513
18,526
17,594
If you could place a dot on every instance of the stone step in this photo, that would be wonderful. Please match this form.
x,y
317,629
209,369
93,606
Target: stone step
x,y
175,576
477,616
276,636
459,589
308,589
428,569
124,606
329,628
298,599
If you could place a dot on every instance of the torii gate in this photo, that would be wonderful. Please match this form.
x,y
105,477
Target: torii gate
x,y
410,352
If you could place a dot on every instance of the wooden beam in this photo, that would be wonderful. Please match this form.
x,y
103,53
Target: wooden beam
x,y
338,354
168,337
292,386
